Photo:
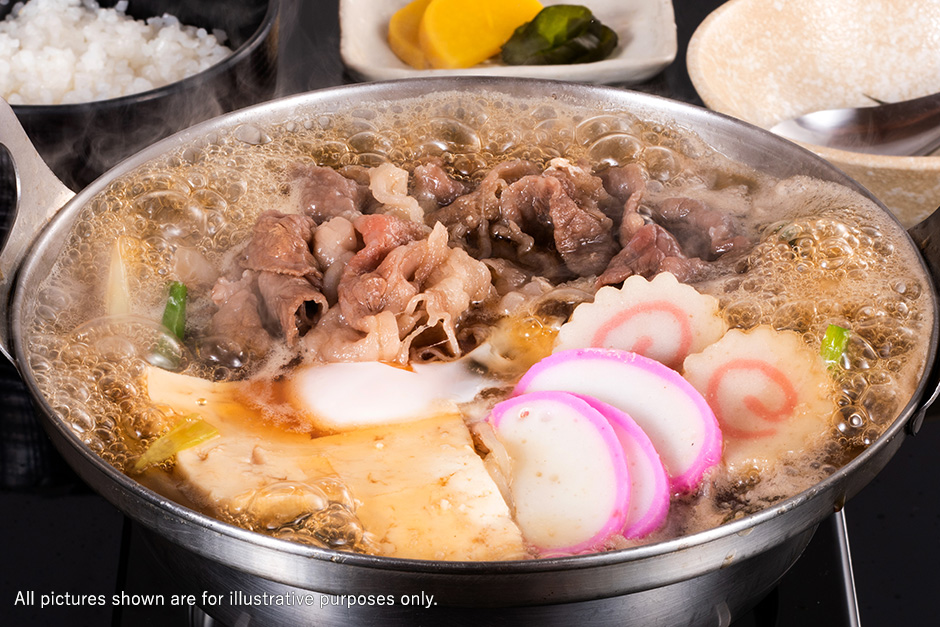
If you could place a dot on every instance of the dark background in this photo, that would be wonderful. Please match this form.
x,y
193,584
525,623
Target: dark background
x,y
57,536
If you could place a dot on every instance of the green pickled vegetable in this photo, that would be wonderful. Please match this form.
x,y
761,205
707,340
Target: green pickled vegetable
x,y
561,33
188,432
174,315
834,343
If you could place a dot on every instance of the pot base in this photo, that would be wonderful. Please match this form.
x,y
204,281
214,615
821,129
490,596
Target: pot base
x,y
233,597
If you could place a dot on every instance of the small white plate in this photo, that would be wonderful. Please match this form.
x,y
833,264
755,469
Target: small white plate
x,y
647,31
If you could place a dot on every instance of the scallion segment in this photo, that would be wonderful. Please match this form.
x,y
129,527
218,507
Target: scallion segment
x,y
834,343
174,315
188,432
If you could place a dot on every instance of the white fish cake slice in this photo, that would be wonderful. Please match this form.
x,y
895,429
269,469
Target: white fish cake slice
x,y
673,414
770,392
661,319
570,481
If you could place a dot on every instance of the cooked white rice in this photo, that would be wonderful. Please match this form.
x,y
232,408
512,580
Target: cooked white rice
x,y
69,51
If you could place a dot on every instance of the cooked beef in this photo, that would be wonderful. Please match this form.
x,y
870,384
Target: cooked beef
x,y
651,250
631,221
281,243
278,290
333,340
294,303
238,318
359,174
262,305
468,217
507,276
424,283
325,193
701,231
433,188
584,188
627,184
380,235
371,272
363,291
412,292
334,244
389,186
544,207
333,241
624,181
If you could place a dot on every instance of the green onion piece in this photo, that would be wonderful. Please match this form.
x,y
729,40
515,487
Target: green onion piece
x,y
561,33
188,432
834,343
174,315
789,233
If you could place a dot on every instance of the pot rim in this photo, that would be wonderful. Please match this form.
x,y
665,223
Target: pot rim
x,y
653,107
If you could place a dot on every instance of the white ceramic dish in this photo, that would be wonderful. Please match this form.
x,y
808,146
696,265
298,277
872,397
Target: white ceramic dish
x,y
764,61
647,31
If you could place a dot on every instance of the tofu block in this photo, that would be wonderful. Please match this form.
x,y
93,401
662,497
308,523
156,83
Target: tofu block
x,y
421,488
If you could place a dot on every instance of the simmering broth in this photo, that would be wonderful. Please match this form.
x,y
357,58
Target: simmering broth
x,y
810,254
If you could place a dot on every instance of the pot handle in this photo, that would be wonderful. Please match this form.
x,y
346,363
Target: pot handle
x,y
38,195
926,235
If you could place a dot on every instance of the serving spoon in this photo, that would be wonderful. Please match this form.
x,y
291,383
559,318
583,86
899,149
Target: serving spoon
x,y
909,127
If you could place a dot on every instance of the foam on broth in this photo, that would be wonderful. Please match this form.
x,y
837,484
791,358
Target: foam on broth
x,y
826,256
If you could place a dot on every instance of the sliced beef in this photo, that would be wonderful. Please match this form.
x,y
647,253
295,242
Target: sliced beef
x,y
624,181
280,243
334,244
434,188
359,174
468,217
380,235
294,303
278,292
700,230
543,207
357,277
333,340
651,250
334,241
389,186
424,283
584,188
632,220
628,184
363,290
325,193
507,276
238,317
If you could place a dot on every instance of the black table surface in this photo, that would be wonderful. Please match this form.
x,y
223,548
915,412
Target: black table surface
x,y
57,537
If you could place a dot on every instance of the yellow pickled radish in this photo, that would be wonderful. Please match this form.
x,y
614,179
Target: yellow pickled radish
x,y
403,33
463,33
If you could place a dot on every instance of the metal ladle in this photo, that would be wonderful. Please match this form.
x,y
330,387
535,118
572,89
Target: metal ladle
x,y
909,127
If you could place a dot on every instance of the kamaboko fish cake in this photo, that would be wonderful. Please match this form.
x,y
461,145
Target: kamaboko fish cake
x,y
770,392
659,318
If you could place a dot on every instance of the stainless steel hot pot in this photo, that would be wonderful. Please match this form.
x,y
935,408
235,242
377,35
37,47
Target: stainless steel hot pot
x,y
705,579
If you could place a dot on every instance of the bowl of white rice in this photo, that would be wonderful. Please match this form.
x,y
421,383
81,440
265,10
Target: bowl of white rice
x,y
93,82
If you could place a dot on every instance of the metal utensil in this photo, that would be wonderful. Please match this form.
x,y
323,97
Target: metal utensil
x,y
909,127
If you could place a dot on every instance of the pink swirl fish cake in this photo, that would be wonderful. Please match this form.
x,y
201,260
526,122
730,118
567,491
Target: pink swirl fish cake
x,y
770,393
661,319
